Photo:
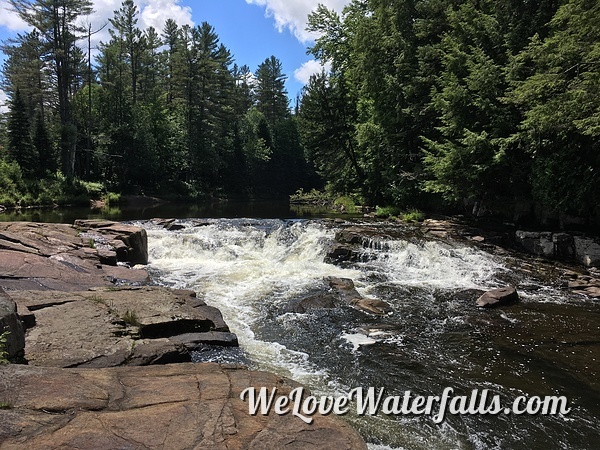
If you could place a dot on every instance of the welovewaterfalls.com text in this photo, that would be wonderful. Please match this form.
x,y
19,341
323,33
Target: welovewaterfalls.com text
x,y
372,401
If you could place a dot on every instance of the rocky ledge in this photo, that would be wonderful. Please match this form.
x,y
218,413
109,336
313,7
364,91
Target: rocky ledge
x,y
177,406
98,340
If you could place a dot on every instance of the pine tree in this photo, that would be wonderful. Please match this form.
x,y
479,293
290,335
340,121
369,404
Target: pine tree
x,y
20,147
56,22
271,96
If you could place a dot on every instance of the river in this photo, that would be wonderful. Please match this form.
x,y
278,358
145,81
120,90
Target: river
x,y
548,344
251,269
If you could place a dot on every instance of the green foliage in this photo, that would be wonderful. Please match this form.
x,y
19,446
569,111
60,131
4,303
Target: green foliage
x,y
345,205
414,215
3,349
387,211
312,197
130,318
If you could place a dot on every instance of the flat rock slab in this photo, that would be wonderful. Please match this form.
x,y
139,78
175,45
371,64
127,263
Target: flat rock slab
x,y
108,327
61,257
181,406
498,297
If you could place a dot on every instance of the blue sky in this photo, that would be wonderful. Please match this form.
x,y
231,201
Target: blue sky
x,y
252,29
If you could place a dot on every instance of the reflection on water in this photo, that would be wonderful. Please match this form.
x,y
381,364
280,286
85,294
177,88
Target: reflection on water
x,y
257,209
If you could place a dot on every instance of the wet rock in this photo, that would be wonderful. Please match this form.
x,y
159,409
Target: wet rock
x,y
162,222
587,251
583,283
340,253
498,297
371,305
536,243
321,300
183,406
11,323
345,289
197,341
175,227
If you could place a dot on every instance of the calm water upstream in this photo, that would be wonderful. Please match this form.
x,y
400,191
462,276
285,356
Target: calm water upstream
x,y
549,344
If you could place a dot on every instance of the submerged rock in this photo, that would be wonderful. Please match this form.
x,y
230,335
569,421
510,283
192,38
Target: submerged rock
x,y
498,297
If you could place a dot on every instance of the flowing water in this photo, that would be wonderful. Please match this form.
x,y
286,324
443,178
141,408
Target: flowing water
x,y
548,344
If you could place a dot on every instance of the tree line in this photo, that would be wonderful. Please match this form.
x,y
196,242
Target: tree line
x,y
489,105
154,112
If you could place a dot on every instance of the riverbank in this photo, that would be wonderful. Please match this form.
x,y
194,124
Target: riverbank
x,y
78,303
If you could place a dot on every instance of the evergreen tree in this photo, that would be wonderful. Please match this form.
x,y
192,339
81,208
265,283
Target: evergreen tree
x,y
56,22
20,147
271,96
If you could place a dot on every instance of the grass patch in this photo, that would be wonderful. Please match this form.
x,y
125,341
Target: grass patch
x,y
130,318
6,405
3,348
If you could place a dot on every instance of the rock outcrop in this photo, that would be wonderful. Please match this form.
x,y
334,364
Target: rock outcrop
x,y
179,406
10,323
91,321
498,297
562,246
107,327
62,257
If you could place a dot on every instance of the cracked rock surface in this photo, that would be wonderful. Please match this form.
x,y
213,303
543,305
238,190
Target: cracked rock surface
x,y
178,406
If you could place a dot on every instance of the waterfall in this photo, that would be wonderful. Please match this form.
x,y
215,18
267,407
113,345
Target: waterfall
x,y
251,269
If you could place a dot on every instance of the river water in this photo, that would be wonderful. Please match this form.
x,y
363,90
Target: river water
x,y
548,344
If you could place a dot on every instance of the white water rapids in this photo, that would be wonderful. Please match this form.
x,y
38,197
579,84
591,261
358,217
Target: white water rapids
x,y
251,269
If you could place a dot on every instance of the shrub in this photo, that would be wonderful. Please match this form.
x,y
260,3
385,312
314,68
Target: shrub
x,y
414,215
345,204
3,349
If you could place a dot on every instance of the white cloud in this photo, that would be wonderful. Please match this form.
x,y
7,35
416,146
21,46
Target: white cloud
x,y
293,14
3,102
10,19
304,72
152,12
156,12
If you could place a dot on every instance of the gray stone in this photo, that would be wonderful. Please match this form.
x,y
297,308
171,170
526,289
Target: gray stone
x,y
498,297
564,246
196,341
587,251
10,322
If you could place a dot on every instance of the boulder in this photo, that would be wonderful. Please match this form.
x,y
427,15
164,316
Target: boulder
x,y
536,243
178,406
11,323
321,300
587,251
498,297
371,305
134,238
197,341
345,289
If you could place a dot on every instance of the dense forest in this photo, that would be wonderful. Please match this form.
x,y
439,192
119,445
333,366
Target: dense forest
x,y
493,106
